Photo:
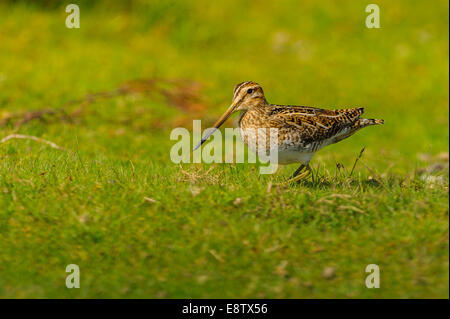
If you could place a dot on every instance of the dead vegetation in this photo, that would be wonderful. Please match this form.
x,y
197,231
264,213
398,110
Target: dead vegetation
x,y
34,138
183,94
198,175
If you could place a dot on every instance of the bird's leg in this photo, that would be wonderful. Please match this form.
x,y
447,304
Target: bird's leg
x,y
297,171
299,174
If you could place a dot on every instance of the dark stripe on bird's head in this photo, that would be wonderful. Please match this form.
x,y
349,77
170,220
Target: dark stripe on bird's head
x,y
238,87
245,85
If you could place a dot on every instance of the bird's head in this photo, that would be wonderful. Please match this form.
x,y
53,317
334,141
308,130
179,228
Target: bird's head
x,y
246,95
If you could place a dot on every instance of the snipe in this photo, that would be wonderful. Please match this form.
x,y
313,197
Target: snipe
x,y
302,130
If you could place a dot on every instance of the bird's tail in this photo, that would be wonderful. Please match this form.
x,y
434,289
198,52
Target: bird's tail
x,y
356,126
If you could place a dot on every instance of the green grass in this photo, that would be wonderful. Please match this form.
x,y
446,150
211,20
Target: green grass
x,y
87,205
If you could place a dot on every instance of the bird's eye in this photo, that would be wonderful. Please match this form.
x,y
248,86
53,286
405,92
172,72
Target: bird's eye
x,y
250,91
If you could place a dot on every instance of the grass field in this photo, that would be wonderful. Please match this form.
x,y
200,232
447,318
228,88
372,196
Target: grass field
x,y
141,226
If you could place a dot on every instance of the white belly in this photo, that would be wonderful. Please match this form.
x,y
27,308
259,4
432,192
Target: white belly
x,y
290,156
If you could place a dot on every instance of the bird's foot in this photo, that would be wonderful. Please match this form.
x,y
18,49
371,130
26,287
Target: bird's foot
x,y
299,177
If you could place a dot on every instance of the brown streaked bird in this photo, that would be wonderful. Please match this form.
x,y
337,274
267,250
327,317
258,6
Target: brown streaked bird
x,y
302,130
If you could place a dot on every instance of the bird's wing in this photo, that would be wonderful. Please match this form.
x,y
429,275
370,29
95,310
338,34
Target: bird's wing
x,y
315,124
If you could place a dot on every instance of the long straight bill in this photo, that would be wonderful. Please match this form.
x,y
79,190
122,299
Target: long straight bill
x,y
219,122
